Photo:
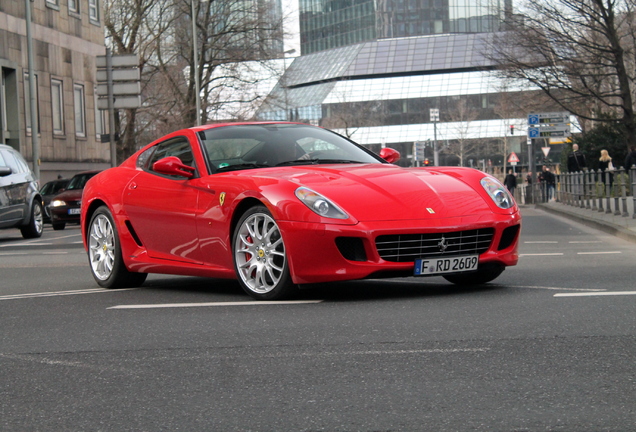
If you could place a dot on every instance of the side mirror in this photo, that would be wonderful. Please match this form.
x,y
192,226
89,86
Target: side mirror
x,y
172,165
390,155
5,171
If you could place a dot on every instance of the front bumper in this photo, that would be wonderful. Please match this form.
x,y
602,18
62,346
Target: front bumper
x,y
316,253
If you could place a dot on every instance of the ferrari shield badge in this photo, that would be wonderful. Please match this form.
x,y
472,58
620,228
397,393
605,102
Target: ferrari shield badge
x,y
222,198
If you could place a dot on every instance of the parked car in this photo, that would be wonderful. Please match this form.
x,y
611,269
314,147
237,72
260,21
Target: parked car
x,y
48,191
65,207
278,204
20,200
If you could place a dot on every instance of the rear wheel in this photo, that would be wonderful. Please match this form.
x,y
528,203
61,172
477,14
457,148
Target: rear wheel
x,y
481,276
260,260
36,223
104,254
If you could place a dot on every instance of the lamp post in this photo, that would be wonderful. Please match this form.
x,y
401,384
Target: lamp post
x,y
195,56
434,115
32,92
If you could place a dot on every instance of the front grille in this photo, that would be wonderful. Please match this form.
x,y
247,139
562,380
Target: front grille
x,y
409,247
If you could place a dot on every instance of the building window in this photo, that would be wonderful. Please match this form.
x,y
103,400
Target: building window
x,y
55,4
93,10
27,103
100,119
74,7
80,112
57,105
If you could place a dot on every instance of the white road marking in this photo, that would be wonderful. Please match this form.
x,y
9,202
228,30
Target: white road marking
x,y
186,305
556,288
585,242
598,253
542,254
61,293
540,242
605,293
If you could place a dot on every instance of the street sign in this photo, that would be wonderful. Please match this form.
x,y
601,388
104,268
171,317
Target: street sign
x,y
554,118
120,102
549,131
513,158
434,114
118,75
121,60
120,88
545,151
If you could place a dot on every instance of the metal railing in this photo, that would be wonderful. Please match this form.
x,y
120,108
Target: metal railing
x,y
609,191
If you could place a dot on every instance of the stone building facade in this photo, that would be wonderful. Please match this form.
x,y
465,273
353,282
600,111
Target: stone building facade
x,y
67,36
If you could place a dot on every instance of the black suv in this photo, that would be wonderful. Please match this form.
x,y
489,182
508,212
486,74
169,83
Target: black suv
x,y
20,200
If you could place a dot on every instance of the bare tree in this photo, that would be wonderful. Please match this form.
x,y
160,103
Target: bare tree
x,y
228,32
580,53
462,145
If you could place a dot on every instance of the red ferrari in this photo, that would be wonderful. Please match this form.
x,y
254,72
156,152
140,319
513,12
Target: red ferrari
x,y
277,205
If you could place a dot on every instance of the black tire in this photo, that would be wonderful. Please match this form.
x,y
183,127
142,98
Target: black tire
x,y
104,253
36,222
260,263
59,226
481,276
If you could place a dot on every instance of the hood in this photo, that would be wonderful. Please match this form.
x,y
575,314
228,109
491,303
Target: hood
x,y
376,192
69,195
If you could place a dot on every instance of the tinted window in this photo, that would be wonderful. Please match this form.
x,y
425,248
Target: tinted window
x,y
79,181
179,147
274,144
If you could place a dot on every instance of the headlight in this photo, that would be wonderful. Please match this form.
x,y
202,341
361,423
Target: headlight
x,y
57,203
319,204
497,192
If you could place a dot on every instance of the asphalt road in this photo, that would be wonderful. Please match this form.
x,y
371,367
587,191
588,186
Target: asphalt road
x,y
549,346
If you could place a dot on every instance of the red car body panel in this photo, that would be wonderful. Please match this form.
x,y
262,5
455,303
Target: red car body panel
x,y
185,226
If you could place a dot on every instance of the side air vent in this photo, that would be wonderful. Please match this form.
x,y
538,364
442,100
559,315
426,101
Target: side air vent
x,y
351,248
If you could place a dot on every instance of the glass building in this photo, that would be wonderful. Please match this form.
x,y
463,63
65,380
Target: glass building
x,y
327,24
380,93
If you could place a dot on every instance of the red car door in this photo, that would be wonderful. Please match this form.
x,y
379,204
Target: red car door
x,y
163,209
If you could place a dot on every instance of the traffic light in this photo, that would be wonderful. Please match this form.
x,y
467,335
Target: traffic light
x,y
512,129
426,162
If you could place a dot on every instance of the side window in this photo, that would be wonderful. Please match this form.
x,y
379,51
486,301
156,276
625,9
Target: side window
x,y
12,163
2,162
179,147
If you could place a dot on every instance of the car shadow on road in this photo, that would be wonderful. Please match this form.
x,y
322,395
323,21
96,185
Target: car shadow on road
x,y
359,290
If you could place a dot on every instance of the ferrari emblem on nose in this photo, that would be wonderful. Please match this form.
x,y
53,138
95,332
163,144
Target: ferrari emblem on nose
x,y
442,245
222,198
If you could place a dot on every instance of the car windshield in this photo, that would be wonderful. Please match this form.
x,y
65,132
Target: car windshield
x,y
53,187
78,181
257,146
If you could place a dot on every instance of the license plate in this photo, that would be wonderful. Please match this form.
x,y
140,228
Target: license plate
x,y
425,267
75,211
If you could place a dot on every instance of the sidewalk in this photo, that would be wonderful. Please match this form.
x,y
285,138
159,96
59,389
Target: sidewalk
x,y
617,225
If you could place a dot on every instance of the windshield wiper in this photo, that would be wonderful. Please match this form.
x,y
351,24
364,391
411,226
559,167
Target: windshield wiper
x,y
316,162
241,167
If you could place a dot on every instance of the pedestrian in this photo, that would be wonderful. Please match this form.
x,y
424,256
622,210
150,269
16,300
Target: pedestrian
x,y
541,181
606,167
576,160
630,160
511,182
550,183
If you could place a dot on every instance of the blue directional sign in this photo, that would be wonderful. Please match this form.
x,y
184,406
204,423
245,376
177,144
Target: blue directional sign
x,y
533,119
533,132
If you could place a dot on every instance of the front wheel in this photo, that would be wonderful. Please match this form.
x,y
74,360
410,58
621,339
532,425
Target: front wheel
x,y
260,260
104,254
481,276
36,223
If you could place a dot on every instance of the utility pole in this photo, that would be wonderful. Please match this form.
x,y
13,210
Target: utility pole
x,y
32,93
